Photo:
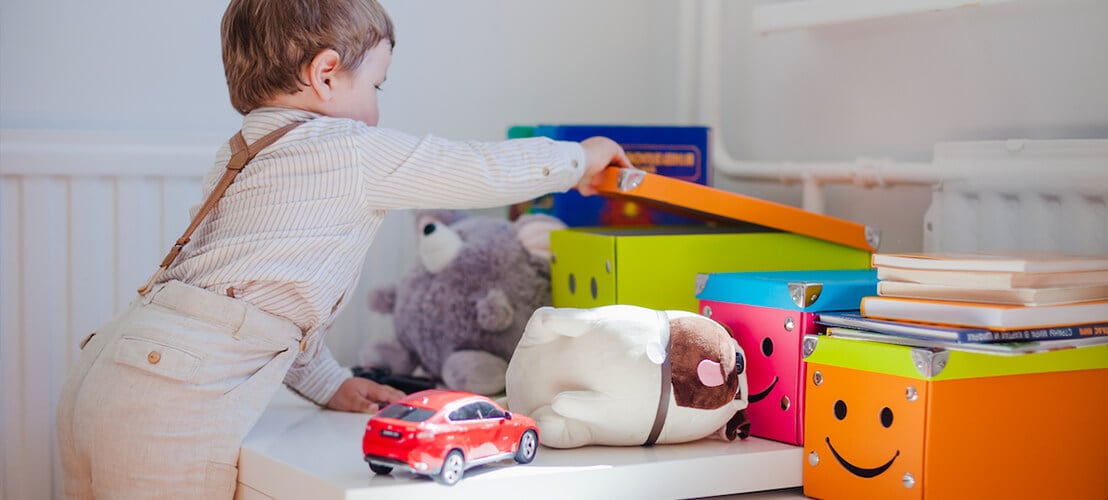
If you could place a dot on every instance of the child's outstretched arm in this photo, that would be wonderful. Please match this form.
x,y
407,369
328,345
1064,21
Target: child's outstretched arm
x,y
600,153
316,375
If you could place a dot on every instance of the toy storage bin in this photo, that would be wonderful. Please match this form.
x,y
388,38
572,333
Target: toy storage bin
x,y
769,313
656,267
888,421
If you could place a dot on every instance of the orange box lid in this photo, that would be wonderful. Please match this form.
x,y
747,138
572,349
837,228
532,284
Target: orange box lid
x,y
717,205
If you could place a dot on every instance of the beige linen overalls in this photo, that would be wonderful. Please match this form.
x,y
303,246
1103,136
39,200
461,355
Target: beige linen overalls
x,y
163,394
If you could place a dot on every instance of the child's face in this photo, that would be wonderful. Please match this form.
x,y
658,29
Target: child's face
x,y
355,96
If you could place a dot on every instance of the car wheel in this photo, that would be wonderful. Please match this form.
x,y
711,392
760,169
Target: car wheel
x,y
528,445
379,469
452,468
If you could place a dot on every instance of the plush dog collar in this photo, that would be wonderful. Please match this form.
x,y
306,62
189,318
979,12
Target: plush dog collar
x,y
667,384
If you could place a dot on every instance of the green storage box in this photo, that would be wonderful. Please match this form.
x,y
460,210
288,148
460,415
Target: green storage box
x,y
657,267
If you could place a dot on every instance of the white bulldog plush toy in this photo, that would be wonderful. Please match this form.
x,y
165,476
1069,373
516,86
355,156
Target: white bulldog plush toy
x,y
627,376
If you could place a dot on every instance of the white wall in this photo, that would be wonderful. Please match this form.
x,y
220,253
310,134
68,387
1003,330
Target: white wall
x,y
461,69
891,87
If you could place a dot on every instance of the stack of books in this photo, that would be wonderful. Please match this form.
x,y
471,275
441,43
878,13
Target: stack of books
x,y
1000,302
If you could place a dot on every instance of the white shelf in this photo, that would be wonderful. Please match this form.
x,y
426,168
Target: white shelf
x,y
299,451
795,14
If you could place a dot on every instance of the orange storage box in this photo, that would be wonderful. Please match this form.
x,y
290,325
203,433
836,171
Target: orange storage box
x,y
887,421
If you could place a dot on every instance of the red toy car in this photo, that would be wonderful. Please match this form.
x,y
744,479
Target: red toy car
x,y
442,433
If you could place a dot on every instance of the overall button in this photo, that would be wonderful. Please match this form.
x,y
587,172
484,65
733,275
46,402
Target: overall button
x,y
545,171
573,163
154,357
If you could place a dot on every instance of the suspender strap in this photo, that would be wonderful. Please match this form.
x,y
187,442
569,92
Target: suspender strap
x,y
241,154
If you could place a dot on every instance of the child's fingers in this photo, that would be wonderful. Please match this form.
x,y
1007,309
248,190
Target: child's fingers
x,y
365,402
622,160
392,394
384,393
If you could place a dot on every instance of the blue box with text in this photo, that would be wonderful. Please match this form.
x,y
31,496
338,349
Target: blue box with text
x,y
680,152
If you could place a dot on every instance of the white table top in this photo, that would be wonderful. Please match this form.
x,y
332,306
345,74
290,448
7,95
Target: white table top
x,y
299,451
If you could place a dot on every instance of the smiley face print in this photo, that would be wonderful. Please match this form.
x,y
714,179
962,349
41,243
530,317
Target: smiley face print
x,y
864,434
766,346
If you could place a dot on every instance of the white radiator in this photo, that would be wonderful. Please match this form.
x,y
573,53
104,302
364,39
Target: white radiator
x,y
1030,195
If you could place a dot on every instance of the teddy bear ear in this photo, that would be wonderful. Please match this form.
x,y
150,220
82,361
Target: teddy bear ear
x,y
448,217
533,230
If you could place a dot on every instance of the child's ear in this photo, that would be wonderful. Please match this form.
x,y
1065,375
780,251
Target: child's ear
x,y
322,72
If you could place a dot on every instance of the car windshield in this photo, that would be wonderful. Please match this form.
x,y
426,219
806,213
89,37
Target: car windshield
x,y
405,412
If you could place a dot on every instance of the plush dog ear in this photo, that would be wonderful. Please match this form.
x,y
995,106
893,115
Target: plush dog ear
x,y
730,332
533,230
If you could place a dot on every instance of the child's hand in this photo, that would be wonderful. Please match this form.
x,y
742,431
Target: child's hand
x,y
357,394
600,152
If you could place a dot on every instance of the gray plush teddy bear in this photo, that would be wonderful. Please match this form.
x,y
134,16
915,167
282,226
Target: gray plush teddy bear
x,y
460,313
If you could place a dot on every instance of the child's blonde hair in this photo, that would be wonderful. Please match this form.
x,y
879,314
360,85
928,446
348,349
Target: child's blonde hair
x,y
267,42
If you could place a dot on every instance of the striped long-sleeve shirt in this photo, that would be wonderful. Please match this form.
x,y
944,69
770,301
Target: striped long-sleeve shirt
x,y
291,233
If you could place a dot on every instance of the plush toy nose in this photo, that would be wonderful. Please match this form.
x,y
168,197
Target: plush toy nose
x,y
438,247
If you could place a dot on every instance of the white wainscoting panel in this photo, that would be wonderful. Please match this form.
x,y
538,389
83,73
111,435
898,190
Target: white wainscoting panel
x,y
84,219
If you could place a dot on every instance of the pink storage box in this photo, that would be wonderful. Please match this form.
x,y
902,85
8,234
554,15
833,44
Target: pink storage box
x,y
769,313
